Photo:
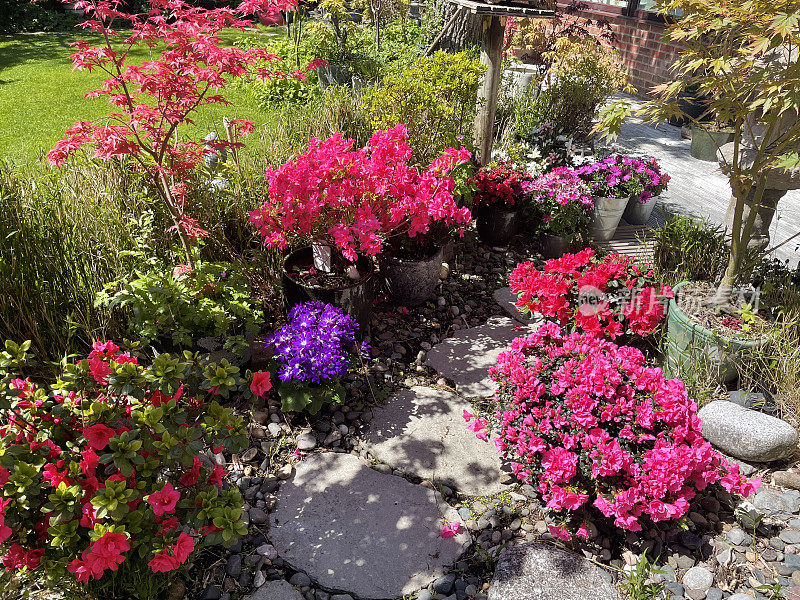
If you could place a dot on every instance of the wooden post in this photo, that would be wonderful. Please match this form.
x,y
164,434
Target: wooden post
x,y
492,57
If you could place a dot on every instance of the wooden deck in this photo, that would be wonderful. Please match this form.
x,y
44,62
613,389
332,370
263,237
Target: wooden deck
x,y
632,240
697,188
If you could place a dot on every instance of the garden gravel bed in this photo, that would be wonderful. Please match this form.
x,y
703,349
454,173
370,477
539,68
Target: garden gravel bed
x,y
734,551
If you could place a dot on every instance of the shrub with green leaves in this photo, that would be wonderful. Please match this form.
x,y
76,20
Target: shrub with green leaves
x,y
582,75
434,97
105,472
175,306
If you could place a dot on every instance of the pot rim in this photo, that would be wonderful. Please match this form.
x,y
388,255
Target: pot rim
x,y
406,261
364,278
673,306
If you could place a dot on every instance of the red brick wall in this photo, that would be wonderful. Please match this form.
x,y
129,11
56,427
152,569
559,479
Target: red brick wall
x,y
644,53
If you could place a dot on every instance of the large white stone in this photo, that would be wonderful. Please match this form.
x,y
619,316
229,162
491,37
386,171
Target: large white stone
x,y
467,356
747,434
541,572
422,431
354,530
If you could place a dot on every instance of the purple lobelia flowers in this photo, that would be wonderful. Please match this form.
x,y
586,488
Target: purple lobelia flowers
x,y
316,345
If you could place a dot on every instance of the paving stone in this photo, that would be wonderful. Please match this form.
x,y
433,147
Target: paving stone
x,y
276,590
422,431
507,301
533,571
358,531
746,434
467,356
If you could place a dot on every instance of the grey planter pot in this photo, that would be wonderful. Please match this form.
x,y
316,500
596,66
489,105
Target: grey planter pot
x,y
554,246
607,213
705,144
411,282
637,213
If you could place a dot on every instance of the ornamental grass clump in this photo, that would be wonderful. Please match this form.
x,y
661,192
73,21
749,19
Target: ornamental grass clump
x,y
606,297
621,176
104,477
599,434
313,351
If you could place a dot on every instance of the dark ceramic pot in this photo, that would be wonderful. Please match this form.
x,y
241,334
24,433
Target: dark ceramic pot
x,y
411,282
356,299
554,246
496,224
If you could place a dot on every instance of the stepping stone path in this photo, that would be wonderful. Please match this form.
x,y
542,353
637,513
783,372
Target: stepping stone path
x,y
746,434
541,572
507,301
422,431
467,356
276,590
355,530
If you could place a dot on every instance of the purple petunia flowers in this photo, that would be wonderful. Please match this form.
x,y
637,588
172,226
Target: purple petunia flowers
x,y
316,344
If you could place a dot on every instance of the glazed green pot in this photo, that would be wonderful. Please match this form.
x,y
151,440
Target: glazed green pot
x,y
706,143
690,344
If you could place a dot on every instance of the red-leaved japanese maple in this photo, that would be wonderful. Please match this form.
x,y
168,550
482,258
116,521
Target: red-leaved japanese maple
x,y
154,98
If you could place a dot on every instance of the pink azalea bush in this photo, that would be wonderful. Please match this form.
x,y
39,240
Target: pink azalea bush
x,y
597,432
353,199
608,296
104,473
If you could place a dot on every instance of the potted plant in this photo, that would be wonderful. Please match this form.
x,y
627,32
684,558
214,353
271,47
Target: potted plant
x,y
500,193
562,206
708,139
740,57
312,352
647,183
343,206
612,183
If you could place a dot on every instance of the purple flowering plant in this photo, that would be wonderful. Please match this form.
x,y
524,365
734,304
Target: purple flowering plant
x,y
621,176
313,351
562,202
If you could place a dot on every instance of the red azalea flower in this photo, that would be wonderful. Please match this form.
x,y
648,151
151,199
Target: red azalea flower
x,y
164,500
261,383
191,476
163,563
183,547
97,436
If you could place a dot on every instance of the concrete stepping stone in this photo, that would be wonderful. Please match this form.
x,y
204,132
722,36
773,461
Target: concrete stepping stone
x,y
541,572
507,301
276,590
357,531
467,355
422,431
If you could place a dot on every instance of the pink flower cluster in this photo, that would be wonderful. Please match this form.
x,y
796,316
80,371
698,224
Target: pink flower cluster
x,y
353,199
605,296
622,176
562,200
594,430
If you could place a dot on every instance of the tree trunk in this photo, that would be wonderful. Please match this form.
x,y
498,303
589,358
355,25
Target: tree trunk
x,y
460,28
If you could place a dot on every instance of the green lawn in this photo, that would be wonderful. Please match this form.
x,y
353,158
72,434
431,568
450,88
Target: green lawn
x,y
41,96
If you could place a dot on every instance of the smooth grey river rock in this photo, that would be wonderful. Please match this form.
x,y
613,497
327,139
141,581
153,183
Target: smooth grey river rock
x,y
747,434
422,431
354,530
540,572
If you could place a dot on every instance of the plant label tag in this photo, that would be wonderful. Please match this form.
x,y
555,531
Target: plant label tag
x,y
322,257
352,273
